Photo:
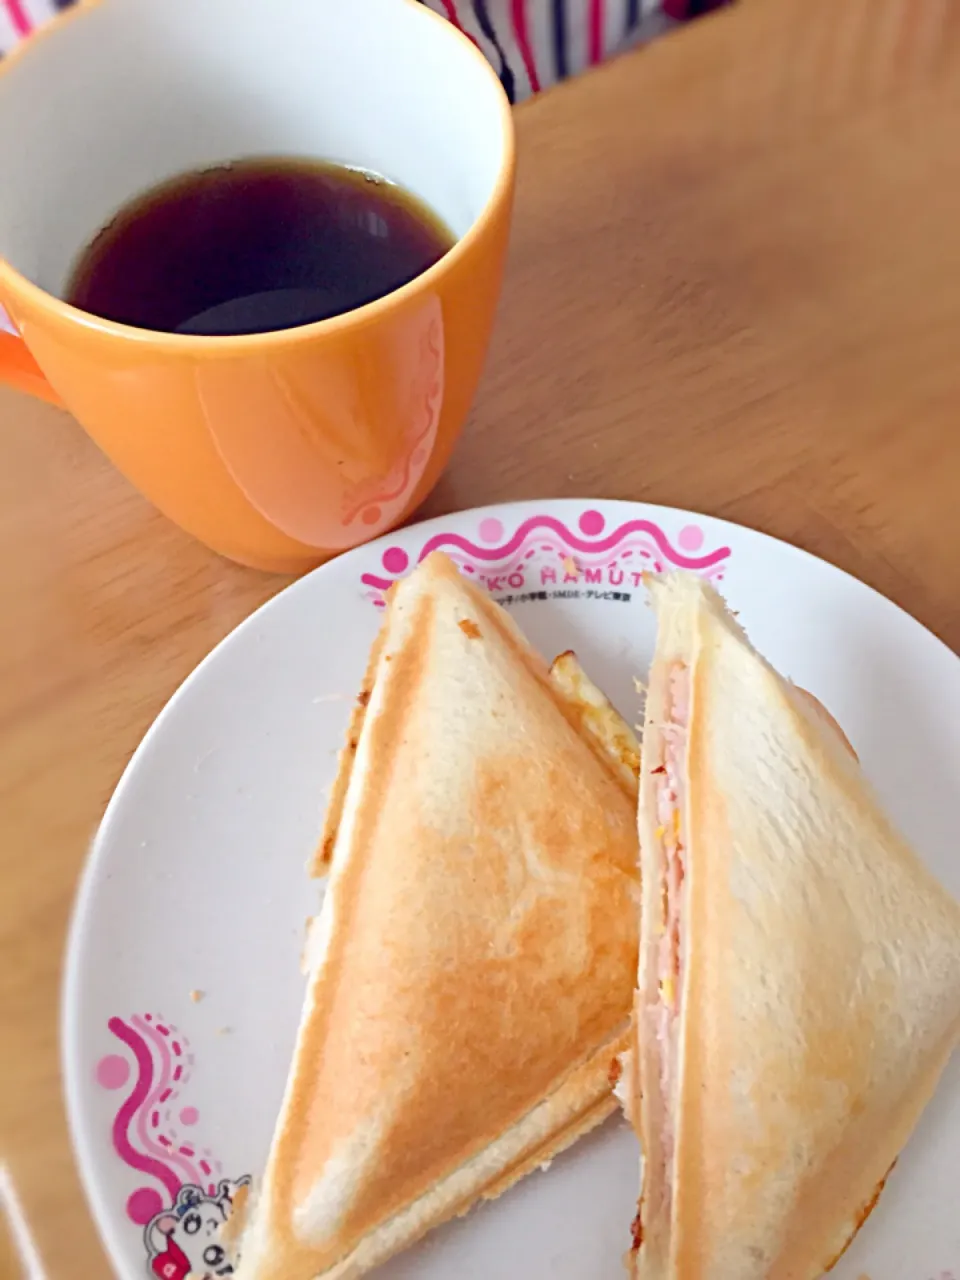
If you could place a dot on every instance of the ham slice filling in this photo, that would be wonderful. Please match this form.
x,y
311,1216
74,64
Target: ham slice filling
x,y
663,1002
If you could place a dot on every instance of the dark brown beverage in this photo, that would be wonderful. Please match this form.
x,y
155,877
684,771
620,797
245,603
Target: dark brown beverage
x,y
254,246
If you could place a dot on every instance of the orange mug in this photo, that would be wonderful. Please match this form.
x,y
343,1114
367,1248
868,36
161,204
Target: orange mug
x,y
276,449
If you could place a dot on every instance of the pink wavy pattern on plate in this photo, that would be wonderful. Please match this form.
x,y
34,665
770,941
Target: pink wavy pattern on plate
x,y
163,1061
166,1048
572,540
530,535
132,1106
644,547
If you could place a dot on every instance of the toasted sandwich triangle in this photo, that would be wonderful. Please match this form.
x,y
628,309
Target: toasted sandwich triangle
x,y
820,993
471,977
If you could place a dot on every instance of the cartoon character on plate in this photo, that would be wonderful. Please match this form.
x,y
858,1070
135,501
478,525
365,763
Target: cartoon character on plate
x,y
184,1240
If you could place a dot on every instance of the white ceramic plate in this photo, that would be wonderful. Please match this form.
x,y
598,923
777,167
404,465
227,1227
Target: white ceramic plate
x,y
196,883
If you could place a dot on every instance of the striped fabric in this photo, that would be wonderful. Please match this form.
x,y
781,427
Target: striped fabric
x,y
19,17
532,43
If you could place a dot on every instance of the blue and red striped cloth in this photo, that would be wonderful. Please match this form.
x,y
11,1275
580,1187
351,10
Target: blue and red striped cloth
x,y
531,43
535,43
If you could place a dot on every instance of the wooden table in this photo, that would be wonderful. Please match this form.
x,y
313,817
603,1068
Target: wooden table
x,y
734,287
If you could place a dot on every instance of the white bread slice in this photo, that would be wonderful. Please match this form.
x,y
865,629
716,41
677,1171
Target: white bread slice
x,y
472,973
820,992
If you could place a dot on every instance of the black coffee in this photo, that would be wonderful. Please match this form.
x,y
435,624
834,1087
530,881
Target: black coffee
x,y
254,246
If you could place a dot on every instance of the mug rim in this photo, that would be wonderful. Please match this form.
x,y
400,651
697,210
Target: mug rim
x,y
16,284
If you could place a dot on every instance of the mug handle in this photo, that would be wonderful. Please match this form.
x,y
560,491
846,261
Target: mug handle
x,y
17,366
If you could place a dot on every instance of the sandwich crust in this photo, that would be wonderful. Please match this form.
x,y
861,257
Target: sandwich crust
x,y
471,973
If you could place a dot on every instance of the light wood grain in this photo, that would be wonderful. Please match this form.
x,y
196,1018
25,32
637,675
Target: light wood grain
x,y
734,287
